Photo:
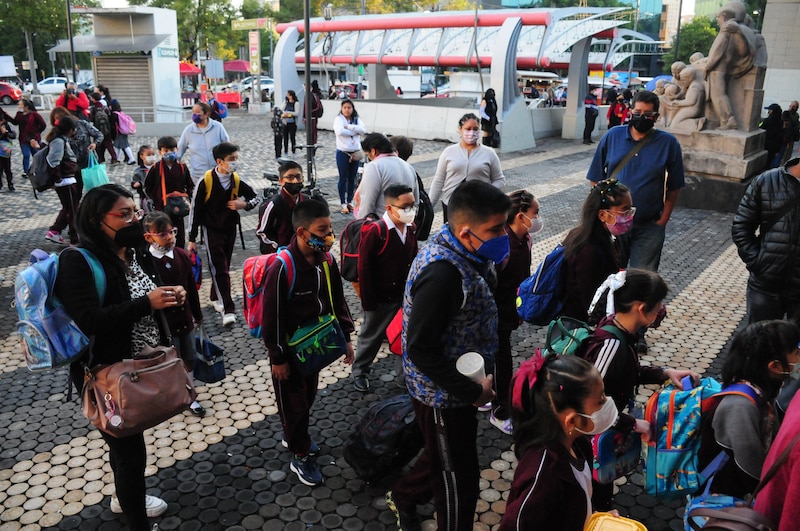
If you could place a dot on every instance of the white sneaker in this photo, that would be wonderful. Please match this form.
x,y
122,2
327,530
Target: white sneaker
x,y
154,506
503,425
218,306
486,407
228,319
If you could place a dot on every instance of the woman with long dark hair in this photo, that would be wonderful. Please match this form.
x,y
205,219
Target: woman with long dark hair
x,y
63,165
488,112
348,128
121,324
31,126
291,110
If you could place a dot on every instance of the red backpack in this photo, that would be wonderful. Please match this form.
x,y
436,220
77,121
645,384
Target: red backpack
x,y
253,276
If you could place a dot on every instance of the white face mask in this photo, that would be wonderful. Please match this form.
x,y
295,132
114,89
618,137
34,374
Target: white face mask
x,y
603,418
150,160
536,224
232,166
469,136
406,215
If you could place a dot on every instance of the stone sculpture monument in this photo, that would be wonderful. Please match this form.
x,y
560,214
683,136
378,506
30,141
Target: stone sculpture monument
x,y
713,106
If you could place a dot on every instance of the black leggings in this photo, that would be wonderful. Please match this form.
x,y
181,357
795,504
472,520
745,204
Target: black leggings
x,y
289,133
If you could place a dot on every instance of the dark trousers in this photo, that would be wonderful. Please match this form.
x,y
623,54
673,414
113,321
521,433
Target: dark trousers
x,y
447,469
295,396
278,139
69,197
5,167
128,458
347,176
106,145
314,130
219,249
444,213
502,375
289,133
763,306
591,118
372,334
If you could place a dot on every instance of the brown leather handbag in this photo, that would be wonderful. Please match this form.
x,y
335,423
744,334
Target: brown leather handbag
x,y
132,395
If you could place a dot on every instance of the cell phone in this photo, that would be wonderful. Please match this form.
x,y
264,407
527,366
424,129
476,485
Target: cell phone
x,y
687,383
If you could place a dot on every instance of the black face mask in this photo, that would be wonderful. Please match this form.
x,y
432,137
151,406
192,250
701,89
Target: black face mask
x,y
293,188
642,124
131,236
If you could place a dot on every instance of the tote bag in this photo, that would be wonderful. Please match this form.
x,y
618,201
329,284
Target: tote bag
x,y
94,174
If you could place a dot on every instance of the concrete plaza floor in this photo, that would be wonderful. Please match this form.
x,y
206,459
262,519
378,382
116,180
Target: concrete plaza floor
x,y
228,470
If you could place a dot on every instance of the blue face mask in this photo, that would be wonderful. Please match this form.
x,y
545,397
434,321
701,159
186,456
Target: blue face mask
x,y
494,249
170,156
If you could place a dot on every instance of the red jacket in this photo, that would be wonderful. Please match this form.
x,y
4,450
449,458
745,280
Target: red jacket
x,y
77,105
778,500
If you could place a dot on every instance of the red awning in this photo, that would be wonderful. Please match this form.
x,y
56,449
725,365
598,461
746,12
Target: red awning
x,y
188,69
238,65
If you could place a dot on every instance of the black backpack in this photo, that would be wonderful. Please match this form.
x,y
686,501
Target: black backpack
x,y
318,109
424,218
385,439
351,237
101,121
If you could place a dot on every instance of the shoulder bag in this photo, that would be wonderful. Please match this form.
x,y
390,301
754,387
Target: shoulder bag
x,y
632,153
175,203
132,395
319,342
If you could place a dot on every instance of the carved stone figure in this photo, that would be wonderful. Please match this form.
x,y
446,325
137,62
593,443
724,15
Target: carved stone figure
x,y
732,55
688,114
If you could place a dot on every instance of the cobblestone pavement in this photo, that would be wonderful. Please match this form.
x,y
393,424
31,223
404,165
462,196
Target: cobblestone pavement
x,y
228,470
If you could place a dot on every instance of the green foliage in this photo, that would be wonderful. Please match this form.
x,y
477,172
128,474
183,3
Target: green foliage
x,y
696,36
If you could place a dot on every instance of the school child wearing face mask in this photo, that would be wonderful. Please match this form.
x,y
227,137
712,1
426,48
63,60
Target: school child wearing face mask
x,y
173,267
592,249
275,216
145,158
631,299
466,161
166,176
556,401
220,194
523,221
385,252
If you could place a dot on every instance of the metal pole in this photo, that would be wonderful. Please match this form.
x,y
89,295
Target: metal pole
x,y
71,44
635,28
32,62
678,32
307,45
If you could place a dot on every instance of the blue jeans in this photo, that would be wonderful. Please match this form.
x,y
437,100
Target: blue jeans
x,y
763,306
347,176
27,153
643,245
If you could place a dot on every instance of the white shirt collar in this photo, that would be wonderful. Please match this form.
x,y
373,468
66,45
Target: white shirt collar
x,y
390,225
158,254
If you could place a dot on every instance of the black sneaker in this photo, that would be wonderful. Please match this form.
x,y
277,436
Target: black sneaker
x,y
405,521
361,383
307,470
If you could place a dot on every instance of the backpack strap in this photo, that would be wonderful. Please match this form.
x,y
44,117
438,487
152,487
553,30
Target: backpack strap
x,y
285,256
208,180
98,273
382,225
616,332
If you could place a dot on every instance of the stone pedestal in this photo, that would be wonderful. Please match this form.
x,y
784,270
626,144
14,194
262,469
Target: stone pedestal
x,y
718,164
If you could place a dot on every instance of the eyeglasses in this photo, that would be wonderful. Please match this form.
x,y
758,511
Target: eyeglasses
x,y
407,209
164,235
628,212
293,177
127,215
649,115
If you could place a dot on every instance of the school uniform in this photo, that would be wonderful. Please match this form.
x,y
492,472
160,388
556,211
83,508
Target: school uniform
x,y
176,179
275,227
510,274
384,259
586,269
174,268
283,314
219,224
551,489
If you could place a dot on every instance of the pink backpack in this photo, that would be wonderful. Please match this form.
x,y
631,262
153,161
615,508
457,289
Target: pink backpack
x,y
126,124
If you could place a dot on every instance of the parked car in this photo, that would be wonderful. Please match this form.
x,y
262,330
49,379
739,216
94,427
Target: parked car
x,y
246,84
9,93
49,85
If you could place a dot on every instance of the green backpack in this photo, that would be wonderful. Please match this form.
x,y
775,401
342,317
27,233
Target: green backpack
x,y
570,337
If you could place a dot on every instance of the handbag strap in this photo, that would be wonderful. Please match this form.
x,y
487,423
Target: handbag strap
x,y
632,153
326,268
751,519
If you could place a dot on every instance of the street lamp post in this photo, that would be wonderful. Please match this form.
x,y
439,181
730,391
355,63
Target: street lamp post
x,y
71,44
307,48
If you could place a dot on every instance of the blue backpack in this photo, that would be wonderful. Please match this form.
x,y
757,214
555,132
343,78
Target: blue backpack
x,y
672,467
48,335
540,297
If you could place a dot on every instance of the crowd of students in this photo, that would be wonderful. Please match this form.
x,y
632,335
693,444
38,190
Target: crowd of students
x,y
455,294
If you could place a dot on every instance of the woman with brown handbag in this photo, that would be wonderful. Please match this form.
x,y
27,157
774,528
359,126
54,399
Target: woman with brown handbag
x,y
121,323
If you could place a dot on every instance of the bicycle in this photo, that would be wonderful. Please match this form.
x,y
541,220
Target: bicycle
x,y
310,188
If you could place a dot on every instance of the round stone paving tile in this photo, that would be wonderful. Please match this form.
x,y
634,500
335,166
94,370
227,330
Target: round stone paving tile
x,y
55,493
73,496
93,498
21,466
36,491
30,518
75,484
52,506
72,508
17,488
50,520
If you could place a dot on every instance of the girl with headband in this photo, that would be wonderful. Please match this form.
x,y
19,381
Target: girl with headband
x,y
555,402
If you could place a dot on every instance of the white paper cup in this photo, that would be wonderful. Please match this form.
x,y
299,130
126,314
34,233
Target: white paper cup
x,y
470,364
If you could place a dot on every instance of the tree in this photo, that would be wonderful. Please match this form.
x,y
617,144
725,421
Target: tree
x,y
696,36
